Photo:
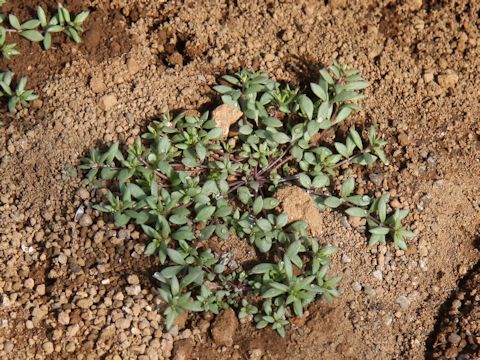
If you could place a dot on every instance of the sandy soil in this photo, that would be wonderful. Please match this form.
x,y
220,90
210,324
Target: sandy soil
x,y
81,289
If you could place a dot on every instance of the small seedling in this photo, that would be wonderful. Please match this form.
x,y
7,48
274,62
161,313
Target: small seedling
x,y
183,183
39,29
17,95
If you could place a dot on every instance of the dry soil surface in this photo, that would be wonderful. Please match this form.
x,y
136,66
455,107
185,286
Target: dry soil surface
x,y
74,286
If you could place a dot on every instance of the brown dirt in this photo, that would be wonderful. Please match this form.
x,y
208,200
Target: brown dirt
x,y
104,37
458,330
421,58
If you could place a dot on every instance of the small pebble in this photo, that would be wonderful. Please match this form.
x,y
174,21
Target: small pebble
x,y
8,346
356,286
85,220
133,280
454,338
404,302
107,102
48,347
63,318
377,274
83,193
346,259
29,283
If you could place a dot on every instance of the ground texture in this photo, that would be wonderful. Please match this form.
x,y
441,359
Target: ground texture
x,y
74,286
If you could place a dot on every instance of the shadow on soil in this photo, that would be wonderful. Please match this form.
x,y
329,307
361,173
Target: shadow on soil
x,y
443,312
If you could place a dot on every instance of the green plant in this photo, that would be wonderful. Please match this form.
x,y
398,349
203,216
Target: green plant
x,y
184,184
40,29
18,95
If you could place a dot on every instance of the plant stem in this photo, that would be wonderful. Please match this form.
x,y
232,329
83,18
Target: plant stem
x,y
271,167
349,204
148,166
347,160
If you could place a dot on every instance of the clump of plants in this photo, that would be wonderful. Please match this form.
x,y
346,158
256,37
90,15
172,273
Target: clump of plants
x,y
39,29
16,94
183,184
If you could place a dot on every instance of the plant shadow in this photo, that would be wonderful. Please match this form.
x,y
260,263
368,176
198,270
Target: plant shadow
x,y
443,312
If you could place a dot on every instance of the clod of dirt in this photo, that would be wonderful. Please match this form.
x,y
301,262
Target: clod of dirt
x,y
107,102
85,220
97,84
447,80
299,206
225,115
175,59
403,139
133,66
224,327
181,320
182,349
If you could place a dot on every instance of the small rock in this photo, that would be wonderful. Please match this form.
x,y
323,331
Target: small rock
x,y
356,221
447,80
72,330
269,57
29,283
107,102
37,104
377,274
415,4
139,248
84,303
369,290
404,302
83,193
182,349
456,304
423,251
8,346
48,347
403,139
395,204
133,66
39,312
256,354
63,318
123,323
423,265
85,220
346,259
62,259
377,179
107,332
41,289
287,35
356,286
224,327
428,77
70,347
225,115
454,338
462,270
133,280
133,290
175,59
97,85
